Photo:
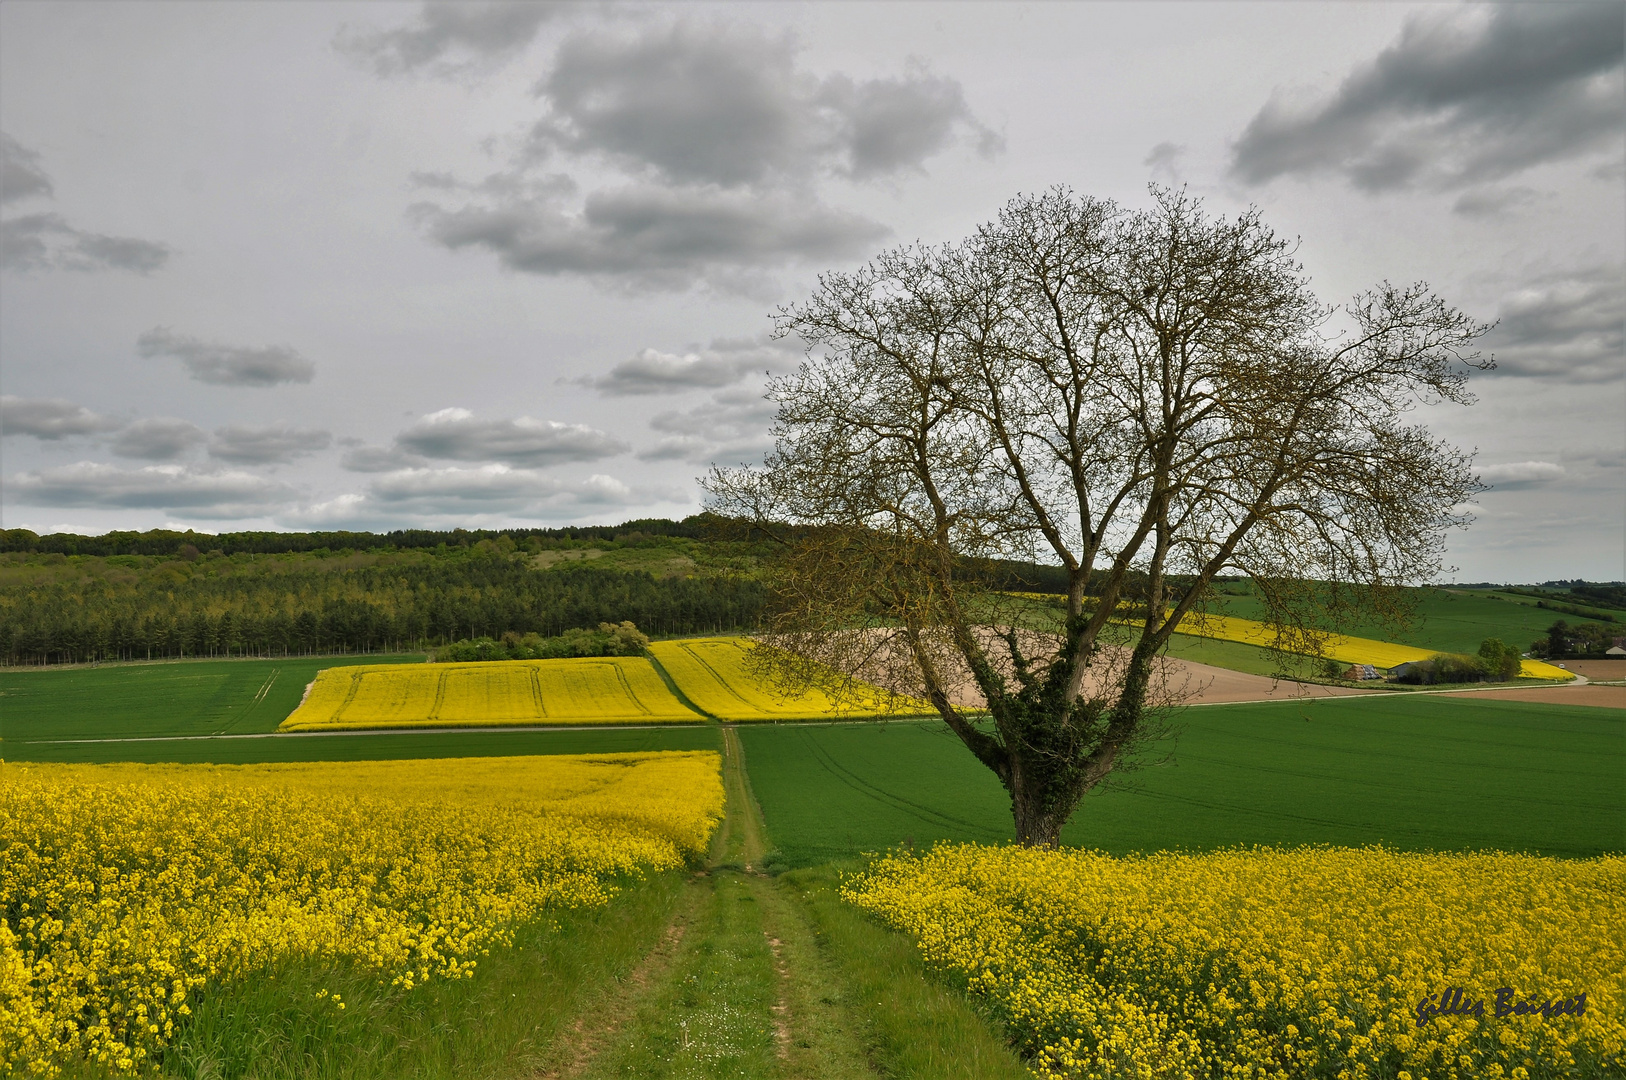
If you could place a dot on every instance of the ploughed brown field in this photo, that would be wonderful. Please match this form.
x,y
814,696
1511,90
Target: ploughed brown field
x,y
1604,697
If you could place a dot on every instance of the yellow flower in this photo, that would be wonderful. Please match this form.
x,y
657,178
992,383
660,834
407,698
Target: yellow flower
x,y
1265,962
139,886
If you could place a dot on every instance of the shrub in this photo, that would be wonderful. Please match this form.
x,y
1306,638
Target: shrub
x,y
1445,668
1501,661
610,639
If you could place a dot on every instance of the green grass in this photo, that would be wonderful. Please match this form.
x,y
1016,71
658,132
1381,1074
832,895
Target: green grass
x,y
388,746
183,697
1415,772
501,1023
776,977
1239,656
912,1024
1445,620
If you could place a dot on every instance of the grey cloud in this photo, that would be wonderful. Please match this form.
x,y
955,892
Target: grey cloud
x,y
48,242
20,174
733,427
377,459
1571,328
227,365
655,238
724,362
49,418
158,438
728,106
456,434
450,37
1495,201
1164,160
91,485
1516,475
1474,95
274,445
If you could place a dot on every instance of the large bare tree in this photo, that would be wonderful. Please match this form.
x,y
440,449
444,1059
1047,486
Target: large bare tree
x,y
1150,399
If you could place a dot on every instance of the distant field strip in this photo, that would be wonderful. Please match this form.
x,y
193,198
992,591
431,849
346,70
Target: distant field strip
x,y
716,674
588,690
1349,650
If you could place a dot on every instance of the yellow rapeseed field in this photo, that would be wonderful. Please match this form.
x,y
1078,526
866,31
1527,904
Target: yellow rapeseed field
x,y
716,674
584,690
1348,650
127,890
1316,962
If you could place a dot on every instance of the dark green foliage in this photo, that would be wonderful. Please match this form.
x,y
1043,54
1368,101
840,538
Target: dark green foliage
x,y
294,605
1447,668
1501,661
1579,641
1611,595
170,542
1415,772
621,639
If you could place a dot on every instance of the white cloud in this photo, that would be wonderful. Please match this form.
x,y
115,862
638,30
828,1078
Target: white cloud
x,y
1514,475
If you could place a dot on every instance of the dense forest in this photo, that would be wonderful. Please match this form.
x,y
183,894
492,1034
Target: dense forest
x,y
67,599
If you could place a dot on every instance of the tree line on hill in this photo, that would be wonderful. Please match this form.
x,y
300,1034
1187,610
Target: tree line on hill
x,y
301,609
171,542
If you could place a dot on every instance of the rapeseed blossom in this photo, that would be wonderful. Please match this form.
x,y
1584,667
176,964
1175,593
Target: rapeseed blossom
x,y
127,890
718,675
1315,962
582,690
1340,647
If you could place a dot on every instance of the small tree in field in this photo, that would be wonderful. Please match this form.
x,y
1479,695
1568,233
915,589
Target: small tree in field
x,y
1149,399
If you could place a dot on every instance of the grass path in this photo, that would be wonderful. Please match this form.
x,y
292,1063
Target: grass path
x,y
776,978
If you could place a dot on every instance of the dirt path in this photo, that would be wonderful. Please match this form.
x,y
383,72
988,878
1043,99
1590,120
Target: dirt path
x,y
745,982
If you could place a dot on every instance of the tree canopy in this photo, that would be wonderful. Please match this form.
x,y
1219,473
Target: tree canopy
x,y
1149,399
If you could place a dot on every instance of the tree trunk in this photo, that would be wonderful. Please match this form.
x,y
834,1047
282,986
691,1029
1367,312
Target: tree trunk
x,y
1038,816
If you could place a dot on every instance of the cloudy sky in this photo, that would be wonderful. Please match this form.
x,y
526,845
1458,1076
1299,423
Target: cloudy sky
x,y
375,265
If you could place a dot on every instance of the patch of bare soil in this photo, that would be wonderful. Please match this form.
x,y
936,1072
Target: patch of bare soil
x,y
1174,682
1211,685
1603,697
781,1020
1597,670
